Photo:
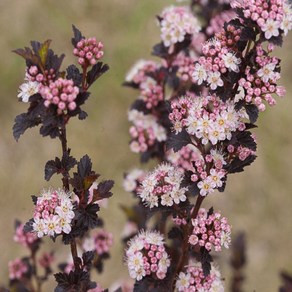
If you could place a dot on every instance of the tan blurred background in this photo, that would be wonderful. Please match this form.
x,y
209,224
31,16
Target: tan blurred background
x,y
258,201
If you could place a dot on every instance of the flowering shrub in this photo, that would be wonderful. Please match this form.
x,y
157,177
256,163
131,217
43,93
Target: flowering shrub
x,y
195,112
215,75
70,211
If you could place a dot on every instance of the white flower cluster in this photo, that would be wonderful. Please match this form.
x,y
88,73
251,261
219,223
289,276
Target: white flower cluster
x,y
193,280
176,23
144,123
214,126
53,213
137,72
146,255
217,60
132,178
163,186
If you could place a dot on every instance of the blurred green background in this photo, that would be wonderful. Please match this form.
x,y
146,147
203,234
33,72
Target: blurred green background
x,y
257,201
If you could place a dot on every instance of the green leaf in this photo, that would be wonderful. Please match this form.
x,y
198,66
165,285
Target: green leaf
x,y
43,52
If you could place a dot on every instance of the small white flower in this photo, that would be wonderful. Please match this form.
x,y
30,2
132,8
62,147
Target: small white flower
x,y
214,80
286,24
159,132
64,224
205,187
164,263
152,201
271,28
183,281
231,62
135,261
88,244
154,237
200,74
39,227
216,177
52,226
166,200
225,239
135,147
28,89
179,195
177,126
267,72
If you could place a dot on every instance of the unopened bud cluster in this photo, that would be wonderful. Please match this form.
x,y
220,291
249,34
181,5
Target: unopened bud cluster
x,y
61,93
210,231
146,255
99,241
88,51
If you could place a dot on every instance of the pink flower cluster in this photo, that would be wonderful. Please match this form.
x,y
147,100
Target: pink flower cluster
x,y
61,93
229,37
35,75
179,221
184,158
53,213
209,178
17,269
146,255
260,85
273,17
46,260
151,94
185,66
194,280
217,22
100,241
132,180
207,118
26,239
217,59
210,231
145,132
176,23
139,71
88,51
163,187
208,170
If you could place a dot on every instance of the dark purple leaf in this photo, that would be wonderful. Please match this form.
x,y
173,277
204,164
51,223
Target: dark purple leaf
x,y
74,74
84,166
177,141
96,71
77,36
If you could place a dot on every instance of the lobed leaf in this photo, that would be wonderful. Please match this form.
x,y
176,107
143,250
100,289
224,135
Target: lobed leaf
x,y
74,74
96,71
238,166
177,141
253,112
84,166
103,190
23,122
77,36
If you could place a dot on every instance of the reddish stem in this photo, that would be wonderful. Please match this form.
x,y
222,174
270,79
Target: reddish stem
x,y
63,138
187,230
